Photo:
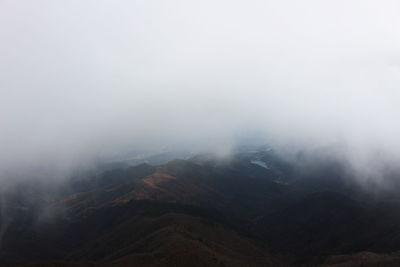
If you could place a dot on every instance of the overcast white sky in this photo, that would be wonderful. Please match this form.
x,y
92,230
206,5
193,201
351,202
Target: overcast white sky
x,y
86,78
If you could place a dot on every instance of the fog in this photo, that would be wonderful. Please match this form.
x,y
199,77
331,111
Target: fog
x,y
82,80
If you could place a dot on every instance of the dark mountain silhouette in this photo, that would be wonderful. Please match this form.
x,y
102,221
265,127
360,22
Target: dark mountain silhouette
x,y
142,233
253,209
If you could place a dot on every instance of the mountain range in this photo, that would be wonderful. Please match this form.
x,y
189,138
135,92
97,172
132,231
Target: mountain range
x,y
253,208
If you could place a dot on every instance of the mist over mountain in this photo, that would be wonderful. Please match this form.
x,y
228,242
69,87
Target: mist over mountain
x,y
83,80
199,133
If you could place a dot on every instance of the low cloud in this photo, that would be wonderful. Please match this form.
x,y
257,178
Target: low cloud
x,y
86,79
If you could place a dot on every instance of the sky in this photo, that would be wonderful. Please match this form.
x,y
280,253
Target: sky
x,y
86,79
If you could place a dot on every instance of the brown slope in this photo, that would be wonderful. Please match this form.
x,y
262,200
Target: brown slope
x,y
188,241
239,188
